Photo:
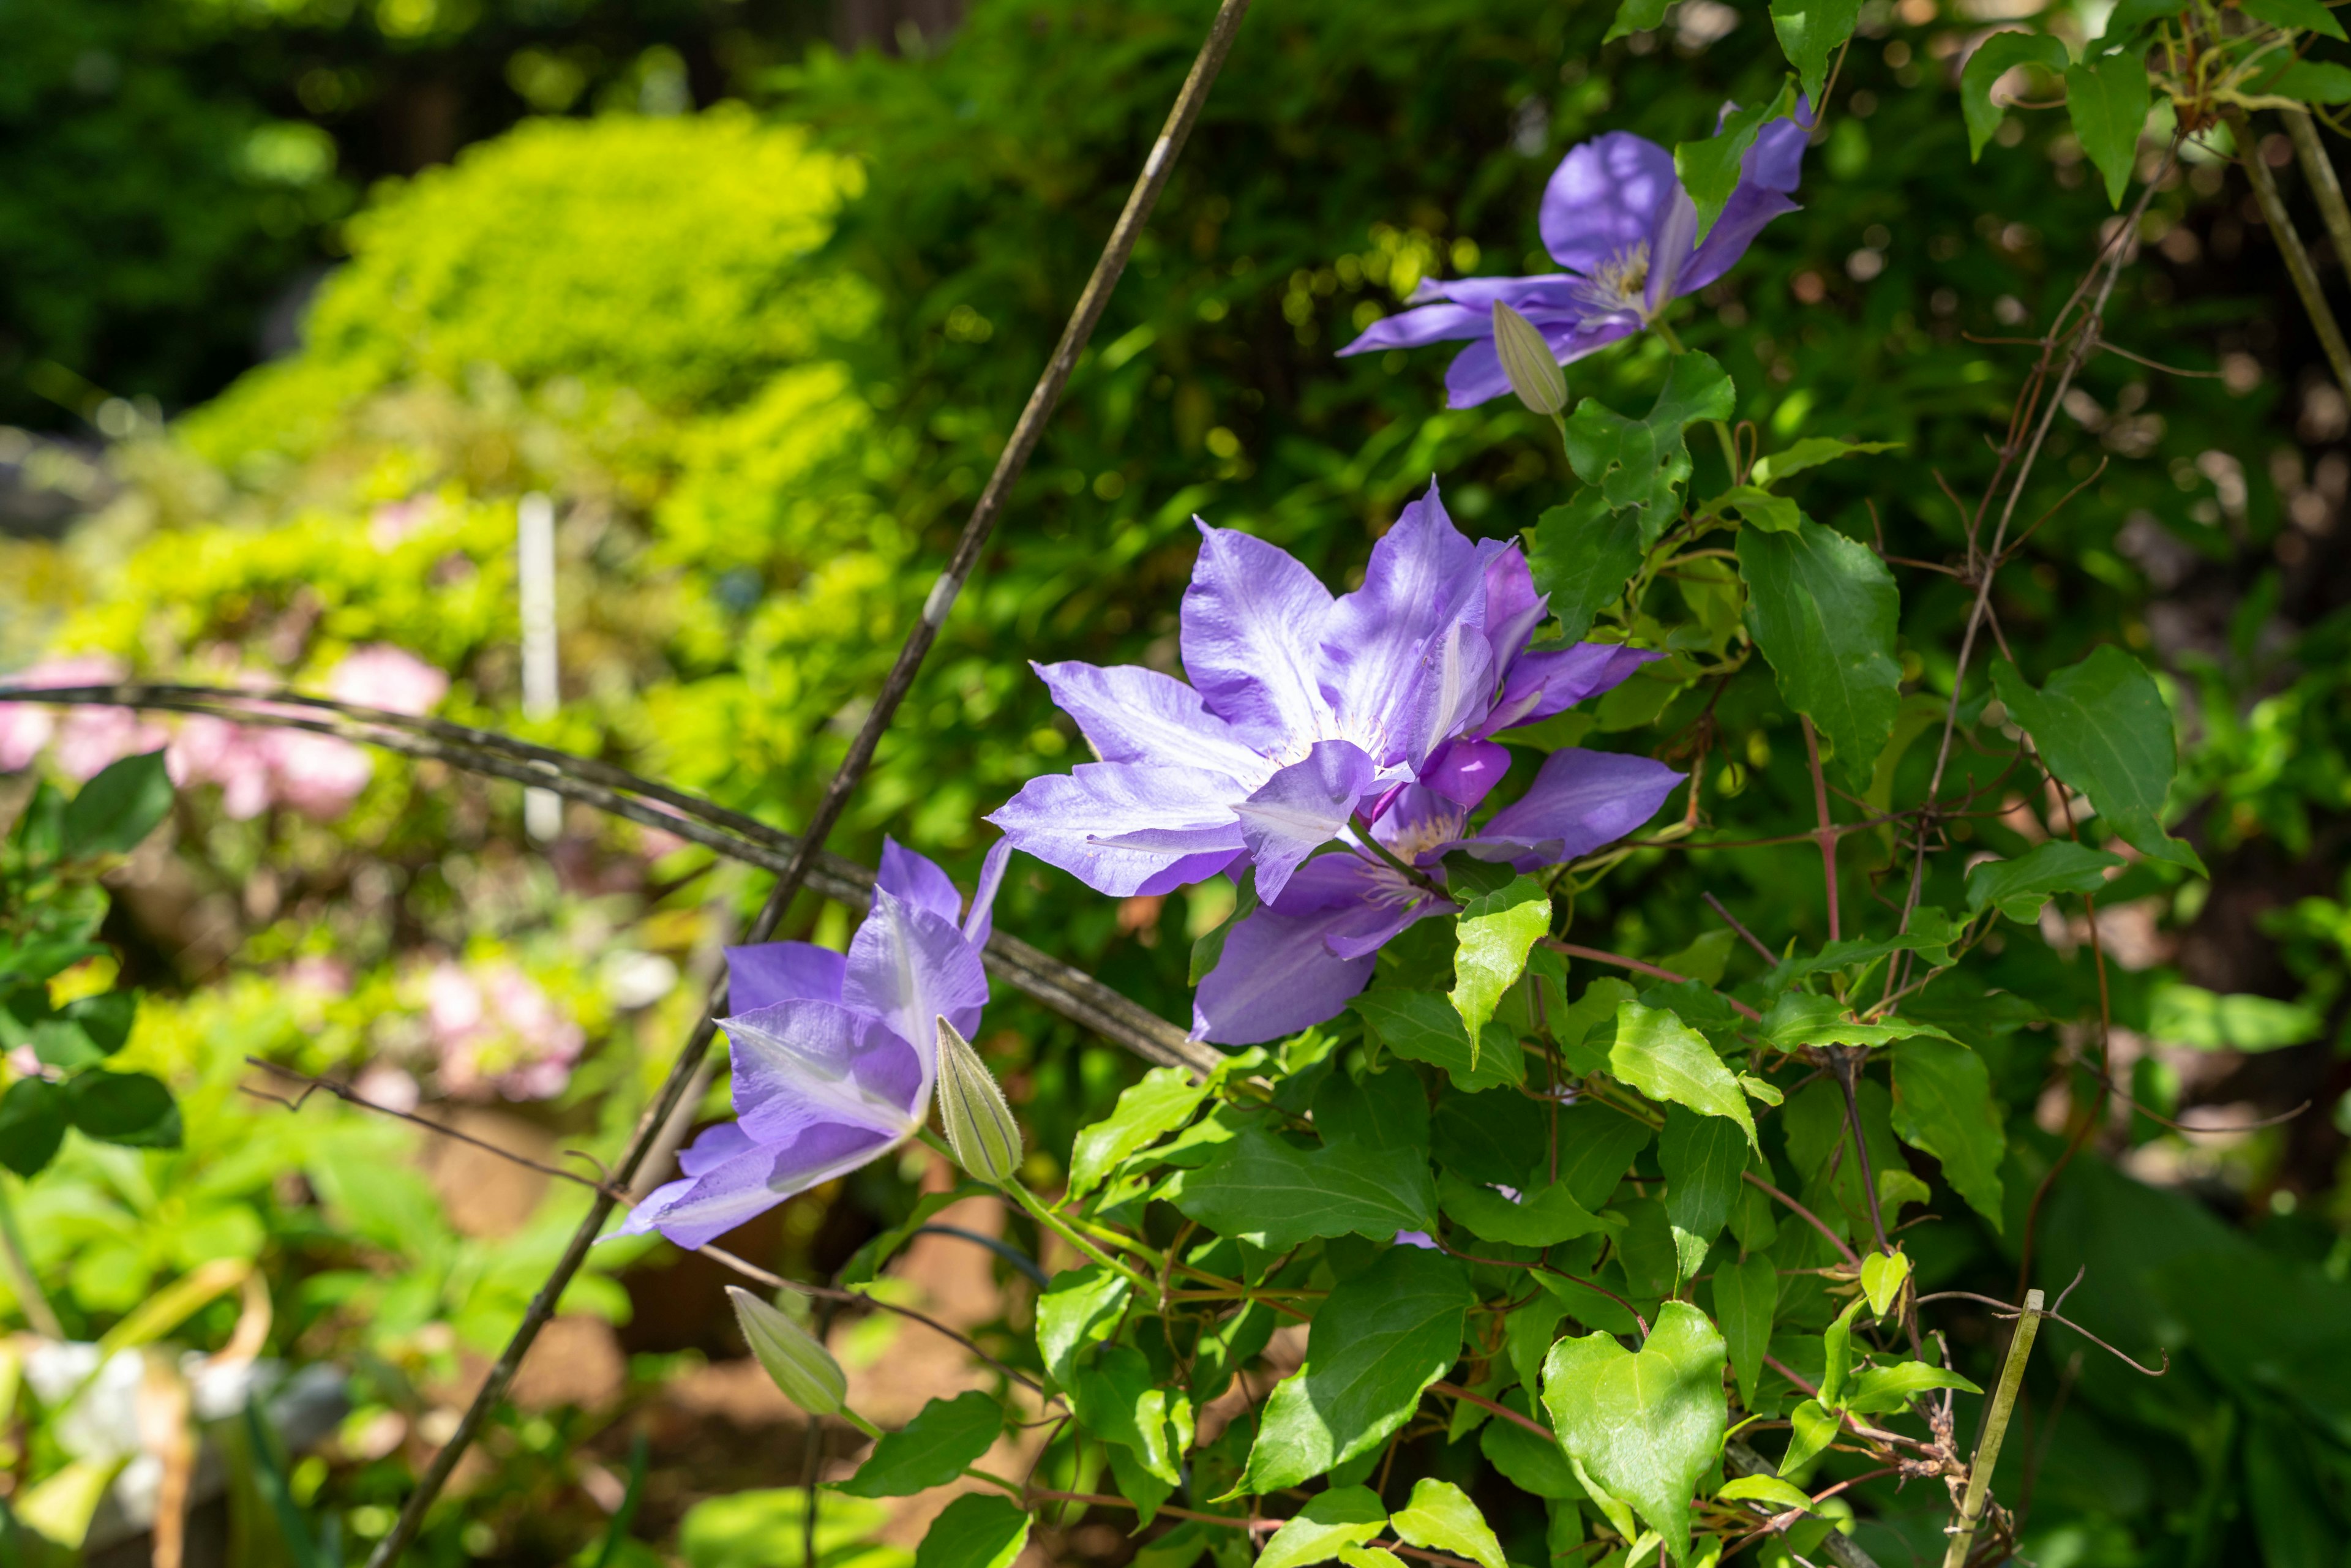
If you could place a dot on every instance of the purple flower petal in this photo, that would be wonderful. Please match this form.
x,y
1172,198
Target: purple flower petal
x,y
1513,608
732,1182
1476,373
1465,771
1541,684
918,880
1252,623
910,969
1604,199
1581,801
1455,679
801,1061
980,924
773,972
1277,975
1068,820
1669,251
1129,713
1300,808
1418,821
1770,171
1465,309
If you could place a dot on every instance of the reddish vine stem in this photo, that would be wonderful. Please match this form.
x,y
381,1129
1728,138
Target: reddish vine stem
x,y
1640,966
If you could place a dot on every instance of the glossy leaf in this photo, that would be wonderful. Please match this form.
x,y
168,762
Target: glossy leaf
x,y
1999,55
1528,1463
33,1120
1118,1402
2019,887
1810,32
131,1108
1332,1520
1882,1274
1493,934
1422,1026
1261,1187
1641,464
1815,1428
1759,509
1702,1158
1582,554
1441,1517
977,1530
2107,101
1882,1389
1379,1339
1943,1106
1836,1360
930,1450
1542,1217
1769,1489
2306,15
1800,1018
1811,452
1667,1060
1822,609
1746,1295
1647,1425
1078,1308
1163,1101
2101,726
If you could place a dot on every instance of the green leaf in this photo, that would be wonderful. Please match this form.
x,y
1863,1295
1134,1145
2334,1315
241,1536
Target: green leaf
x,y
131,1108
1118,1401
1801,1017
1701,1156
1823,609
1882,1274
1667,1060
2188,1015
1745,1295
1635,17
978,1529
105,1018
1810,33
1332,1520
2306,15
1383,1111
930,1450
1467,877
1837,1359
1441,1517
33,1119
1381,1338
60,1042
1421,1026
1370,1557
1882,1389
1769,1490
1582,554
1258,1186
1148,1111
1757,507
2130,15
1541,1218
2102,728
1815,1427
2019,887
1646,1425
1078,1307
1811,452
1528,1463
1640,464
2107,99
2310,81
1492,936
118,808
1709,169
1999,54
1931,933
1943,1106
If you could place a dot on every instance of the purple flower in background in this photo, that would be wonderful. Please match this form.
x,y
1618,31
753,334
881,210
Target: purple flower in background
x,y
1616,218
1308,952
1304,710
834,1054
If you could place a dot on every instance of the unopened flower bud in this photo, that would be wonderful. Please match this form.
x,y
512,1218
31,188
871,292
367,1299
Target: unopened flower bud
x,y
801,1367
980,1125
1534,373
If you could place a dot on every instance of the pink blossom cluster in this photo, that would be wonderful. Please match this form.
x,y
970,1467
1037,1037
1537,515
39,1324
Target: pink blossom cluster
x,y
496,1030
317,775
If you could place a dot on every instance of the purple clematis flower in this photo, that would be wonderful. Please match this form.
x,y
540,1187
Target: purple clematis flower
x,y
834,1053
1305,709
1616,218
1306,953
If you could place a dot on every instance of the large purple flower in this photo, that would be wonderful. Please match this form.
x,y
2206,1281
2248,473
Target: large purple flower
x,y
1304,710
1308,952
834,1053
1615,216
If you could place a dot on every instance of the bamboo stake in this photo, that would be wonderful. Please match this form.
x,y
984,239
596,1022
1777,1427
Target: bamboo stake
x,y
2003,1403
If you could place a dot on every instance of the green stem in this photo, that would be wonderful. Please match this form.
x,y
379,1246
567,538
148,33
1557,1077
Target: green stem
x,y
1069,1233
1721,430
860,1423
2004,1403
38,1313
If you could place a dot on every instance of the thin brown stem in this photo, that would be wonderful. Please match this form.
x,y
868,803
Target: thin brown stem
x,y
1639,967
1835,1240
1732,921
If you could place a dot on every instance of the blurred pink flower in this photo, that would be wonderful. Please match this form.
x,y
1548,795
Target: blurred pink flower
x,y
496,1030
380,676
388,1086
210,750
395,521
317,775
88,738
319,975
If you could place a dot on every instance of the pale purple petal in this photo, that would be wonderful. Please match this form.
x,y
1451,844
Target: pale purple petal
x,y
980,923
1455,682
1465,771
715,1147
910,969
697,1209
1669,254
1465,309
1424,576
1476,375
1541,684
1063,820
1277,975
1581,801
1252,622
918,880
1129,713
799,1063
773,972
1300,808
1604,199
1770,173
1513,608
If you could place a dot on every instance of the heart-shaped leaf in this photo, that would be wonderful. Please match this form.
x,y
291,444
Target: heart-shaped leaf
x,y
1646,1425
1882,1274
1815,1429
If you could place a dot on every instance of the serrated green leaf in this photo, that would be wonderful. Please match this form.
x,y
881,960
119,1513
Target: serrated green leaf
x,y
33,1120
1441,1517
1639,465
1163,1101
1646,1425
2107,99
1582,554
1882,1274
2019,887
1823,611
1999,55
2305,16
1811,452
1746,1295
1542,1217
1258,1186
1381,1338
1709,169
1882,1389
1635,17
1332,1520
1943,1106
1702,1158
930,1450
1492,934
1667,1060
1815,1427
129,1108
1422,1026
1810,32
1597,1145
2102,728
1769,1490
977,1530
118,808
1077,1308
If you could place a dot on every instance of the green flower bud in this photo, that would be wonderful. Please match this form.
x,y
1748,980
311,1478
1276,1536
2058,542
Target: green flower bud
x,y
801,1367
1528,361
980,1125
